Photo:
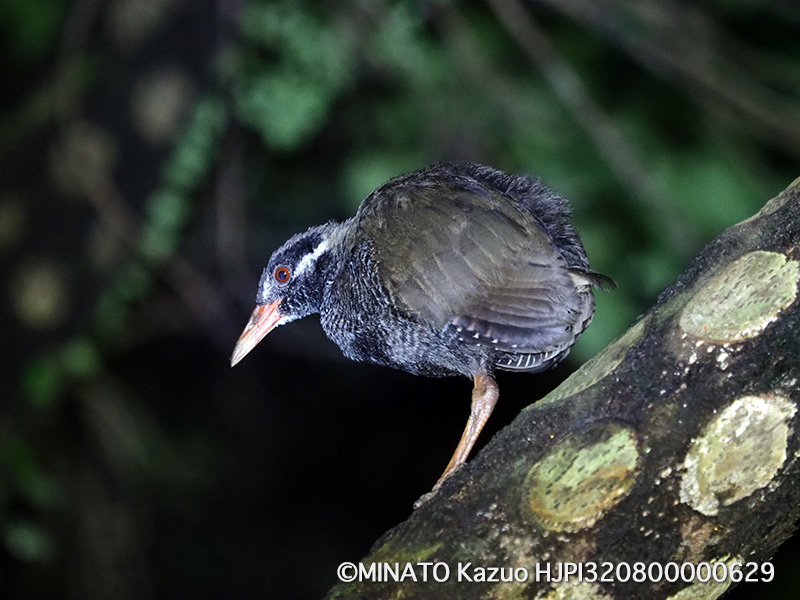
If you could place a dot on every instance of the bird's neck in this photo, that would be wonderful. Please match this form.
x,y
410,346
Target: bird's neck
x,y
325,263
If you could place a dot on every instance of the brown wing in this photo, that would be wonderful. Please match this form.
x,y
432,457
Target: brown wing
x,y
458,253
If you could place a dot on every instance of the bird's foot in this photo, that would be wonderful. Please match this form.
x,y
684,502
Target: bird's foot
x,y
484,397
425,498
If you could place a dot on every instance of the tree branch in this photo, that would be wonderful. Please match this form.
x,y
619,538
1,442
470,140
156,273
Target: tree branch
x,y
677,443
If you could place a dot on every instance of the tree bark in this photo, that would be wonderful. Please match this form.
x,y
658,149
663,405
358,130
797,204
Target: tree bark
x,y
678,443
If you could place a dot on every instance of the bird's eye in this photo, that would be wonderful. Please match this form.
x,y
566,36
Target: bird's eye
x,y
282,274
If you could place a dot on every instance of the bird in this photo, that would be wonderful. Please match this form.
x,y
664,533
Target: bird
x,y
454,269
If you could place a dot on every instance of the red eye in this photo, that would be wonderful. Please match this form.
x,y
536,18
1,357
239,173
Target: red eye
x,y
282,274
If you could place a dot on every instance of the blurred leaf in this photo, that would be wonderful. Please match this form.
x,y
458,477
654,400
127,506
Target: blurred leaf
x,y
167,212
28,541
81,358
31,26
42,381
197,146
285,108
28,478
400,45
287,95
320,49
169,207
133,282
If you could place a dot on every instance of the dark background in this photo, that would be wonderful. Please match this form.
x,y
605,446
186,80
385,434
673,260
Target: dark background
x,y
153,153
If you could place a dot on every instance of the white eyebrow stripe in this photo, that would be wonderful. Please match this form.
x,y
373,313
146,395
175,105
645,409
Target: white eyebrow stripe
x,y
309,259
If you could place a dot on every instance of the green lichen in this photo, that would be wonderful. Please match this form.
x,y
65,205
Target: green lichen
x,y
739,302
739,452
582,477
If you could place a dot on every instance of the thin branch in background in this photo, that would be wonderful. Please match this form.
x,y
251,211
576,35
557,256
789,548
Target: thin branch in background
x,y
57,97
187,281
610,142
684,44
74,40
231,227
786,9
230,221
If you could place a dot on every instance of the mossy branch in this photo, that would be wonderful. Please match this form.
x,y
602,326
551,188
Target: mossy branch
x,y
677,443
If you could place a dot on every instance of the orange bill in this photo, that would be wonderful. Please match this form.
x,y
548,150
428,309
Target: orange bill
x,y
264,319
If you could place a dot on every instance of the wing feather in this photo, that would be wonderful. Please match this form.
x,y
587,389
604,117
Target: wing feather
x,y
460,254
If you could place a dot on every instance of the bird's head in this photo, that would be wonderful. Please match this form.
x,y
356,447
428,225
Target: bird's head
x,y
291,286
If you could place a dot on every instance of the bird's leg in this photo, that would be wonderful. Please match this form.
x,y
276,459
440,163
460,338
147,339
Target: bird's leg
x,y
484,396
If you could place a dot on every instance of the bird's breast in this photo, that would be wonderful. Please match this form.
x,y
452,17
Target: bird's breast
x,y
360,315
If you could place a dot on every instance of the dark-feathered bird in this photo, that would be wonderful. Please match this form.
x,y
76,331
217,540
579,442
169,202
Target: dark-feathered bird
x,y
457,269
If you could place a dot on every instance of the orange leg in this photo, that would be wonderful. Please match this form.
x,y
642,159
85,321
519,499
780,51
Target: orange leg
x,y
484,396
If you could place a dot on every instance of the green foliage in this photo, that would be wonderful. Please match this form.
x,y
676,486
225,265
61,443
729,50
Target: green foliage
x,y
25,472
42,381
400,46
46,376
131,283
27,541
169,207
289,71
23,478
81,358
31,27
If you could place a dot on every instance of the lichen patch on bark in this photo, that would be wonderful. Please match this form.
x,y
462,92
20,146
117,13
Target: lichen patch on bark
x,y
739,302
738,452
582,477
